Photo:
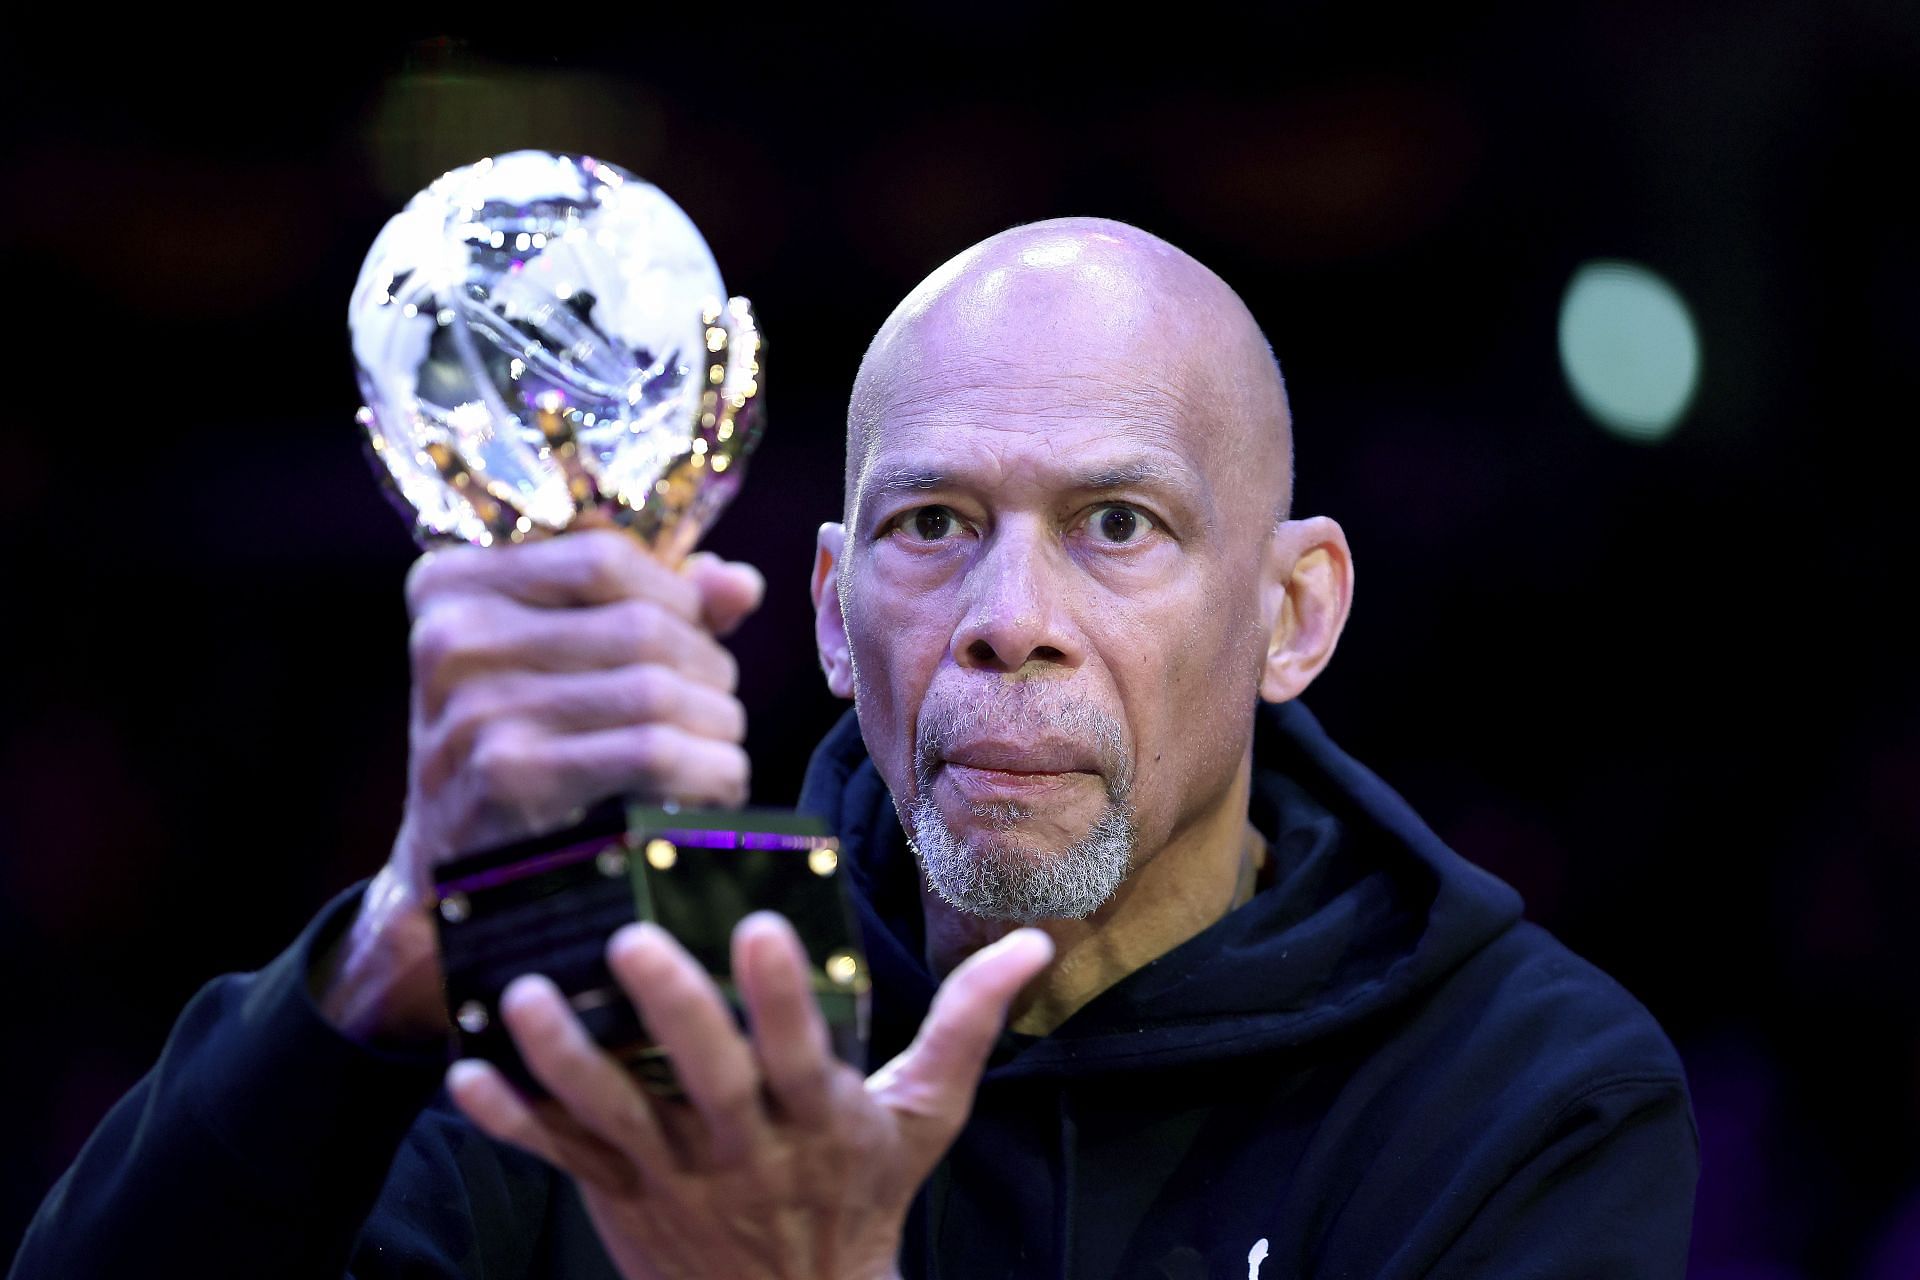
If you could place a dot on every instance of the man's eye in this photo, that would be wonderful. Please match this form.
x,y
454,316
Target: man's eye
x,y
931,524
1118,524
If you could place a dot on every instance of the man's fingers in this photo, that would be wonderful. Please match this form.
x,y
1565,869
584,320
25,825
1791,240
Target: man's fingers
x,y
686,1015
789,1034
485,1097
656,761
518,779
574,702
589,568
587,1085
729,590
934,1078
459,639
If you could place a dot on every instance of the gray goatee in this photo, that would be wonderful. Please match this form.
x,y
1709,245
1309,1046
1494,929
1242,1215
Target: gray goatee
x,y
997,877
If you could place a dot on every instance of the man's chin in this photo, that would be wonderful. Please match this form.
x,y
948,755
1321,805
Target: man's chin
x,y
1044,810
1018,831
1014,844
1021,868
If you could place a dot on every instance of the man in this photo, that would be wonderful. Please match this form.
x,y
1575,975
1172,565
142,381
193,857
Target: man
x,y
1260,1020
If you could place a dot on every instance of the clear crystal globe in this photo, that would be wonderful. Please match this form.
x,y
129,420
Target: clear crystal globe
x,y
537,335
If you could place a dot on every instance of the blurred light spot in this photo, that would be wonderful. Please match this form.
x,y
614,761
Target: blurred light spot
x,y
843,968
1629,348
451,108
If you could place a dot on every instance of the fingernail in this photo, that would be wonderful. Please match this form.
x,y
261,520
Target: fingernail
x,y
764,921
751,575
526,987
764,934
1035,939
465,1072
647,943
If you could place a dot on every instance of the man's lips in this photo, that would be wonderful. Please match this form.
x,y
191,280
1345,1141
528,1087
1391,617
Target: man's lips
x,y
981,785
981,771
1018,758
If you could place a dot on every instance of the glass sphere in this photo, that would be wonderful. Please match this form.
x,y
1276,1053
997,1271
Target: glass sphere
x,y
532,336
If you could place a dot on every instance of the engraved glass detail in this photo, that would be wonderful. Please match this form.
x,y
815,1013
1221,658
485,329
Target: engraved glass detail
x,y
539,334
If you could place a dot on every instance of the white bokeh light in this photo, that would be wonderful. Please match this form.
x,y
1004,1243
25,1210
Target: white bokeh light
x,y
1629,348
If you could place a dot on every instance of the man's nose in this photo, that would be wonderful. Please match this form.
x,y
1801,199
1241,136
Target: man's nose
x,y
1017,607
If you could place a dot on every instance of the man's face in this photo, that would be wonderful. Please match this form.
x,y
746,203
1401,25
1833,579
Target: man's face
x,y
1051,576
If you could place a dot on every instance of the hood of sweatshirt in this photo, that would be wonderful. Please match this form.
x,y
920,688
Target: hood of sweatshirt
x,y
1361,908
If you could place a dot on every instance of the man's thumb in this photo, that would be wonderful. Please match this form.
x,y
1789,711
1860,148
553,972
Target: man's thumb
x,y
729,590
933,1081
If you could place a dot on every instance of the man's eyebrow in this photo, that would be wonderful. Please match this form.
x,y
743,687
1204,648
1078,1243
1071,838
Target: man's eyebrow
x,y
888,481
905,478
1142,471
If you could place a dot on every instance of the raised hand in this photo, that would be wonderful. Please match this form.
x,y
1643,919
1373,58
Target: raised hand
x,y
780,1161
551,675
546,677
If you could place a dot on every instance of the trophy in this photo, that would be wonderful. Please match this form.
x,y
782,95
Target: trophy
x,y
544,341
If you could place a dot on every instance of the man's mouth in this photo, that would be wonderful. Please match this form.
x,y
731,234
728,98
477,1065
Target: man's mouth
x,y
1014,775
983,772
997,745
1000,786
1052,755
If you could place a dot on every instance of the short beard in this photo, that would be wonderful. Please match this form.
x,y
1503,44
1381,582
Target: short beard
x,y
998,879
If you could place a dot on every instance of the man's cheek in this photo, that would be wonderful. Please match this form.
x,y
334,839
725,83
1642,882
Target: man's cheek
x,y
908,634
886,686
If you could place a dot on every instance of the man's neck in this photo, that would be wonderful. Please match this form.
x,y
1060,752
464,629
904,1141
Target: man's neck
x,y
1204,871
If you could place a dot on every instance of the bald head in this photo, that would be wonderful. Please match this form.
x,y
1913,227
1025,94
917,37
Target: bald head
x,y
1087,314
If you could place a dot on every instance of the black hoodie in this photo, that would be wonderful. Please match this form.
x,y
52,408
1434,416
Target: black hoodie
x,y
1374,1068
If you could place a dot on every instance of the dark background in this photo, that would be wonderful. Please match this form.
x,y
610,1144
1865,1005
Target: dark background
x,y
1666,690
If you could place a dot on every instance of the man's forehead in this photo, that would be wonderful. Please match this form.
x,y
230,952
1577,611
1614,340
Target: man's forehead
x,y
1041,454
1080,390
1065,334
1076,349
977,422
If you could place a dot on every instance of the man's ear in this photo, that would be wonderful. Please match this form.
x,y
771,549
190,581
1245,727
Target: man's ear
x,y
829,627
1305,598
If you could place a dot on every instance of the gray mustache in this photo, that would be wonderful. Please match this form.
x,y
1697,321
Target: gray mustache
x,y
1025,711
